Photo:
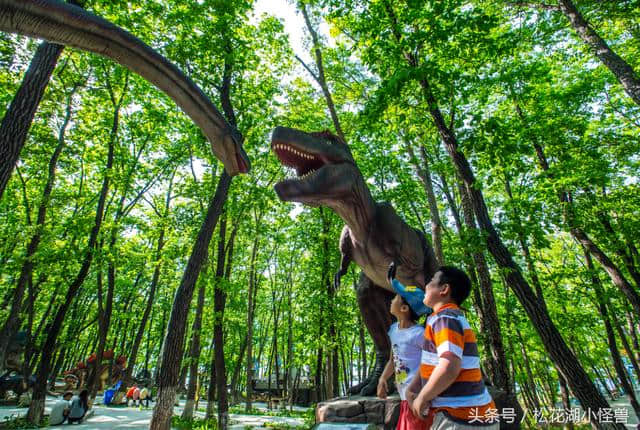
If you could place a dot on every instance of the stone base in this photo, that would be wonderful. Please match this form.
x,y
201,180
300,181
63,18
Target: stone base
x,y
385,413
359,409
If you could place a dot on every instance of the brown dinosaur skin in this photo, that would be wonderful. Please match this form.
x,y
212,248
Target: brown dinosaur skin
x,y
373,235
66,24
76,378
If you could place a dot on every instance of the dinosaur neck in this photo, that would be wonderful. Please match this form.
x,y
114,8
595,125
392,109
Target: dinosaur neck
x,y
357,210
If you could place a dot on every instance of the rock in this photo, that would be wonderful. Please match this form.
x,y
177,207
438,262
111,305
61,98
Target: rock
x,y
391,414
357,409
374,412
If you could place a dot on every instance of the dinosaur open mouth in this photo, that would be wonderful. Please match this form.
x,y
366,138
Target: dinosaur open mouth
x,y
304,163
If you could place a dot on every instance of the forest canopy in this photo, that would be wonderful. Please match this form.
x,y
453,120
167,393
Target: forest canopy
x,y
507,132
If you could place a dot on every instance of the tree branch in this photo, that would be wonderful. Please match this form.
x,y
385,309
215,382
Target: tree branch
x,y
534,5
313,75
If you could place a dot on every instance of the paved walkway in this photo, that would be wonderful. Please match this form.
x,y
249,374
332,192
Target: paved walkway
x,y
105,417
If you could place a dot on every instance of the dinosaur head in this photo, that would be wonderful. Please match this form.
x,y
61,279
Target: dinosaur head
x,y
325,169
228,149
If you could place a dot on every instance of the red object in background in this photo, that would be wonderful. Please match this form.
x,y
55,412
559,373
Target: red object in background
x,y
130,391
81,365
92,358
108,354
121,360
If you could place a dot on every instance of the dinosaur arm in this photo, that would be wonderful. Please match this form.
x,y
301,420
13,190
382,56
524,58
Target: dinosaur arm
x,y
346,250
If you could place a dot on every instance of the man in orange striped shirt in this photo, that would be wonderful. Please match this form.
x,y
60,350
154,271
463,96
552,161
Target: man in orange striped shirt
x,y
453,391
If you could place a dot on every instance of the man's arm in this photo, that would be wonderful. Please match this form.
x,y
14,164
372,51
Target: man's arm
x,y
444,374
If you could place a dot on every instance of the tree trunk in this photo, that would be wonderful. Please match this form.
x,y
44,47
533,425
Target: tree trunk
x,y
626,346
333,374
17,120
611,339
616,275
133,355
147,353
36,408
362,368
173,342
104,313
289,356
194,353
533,273
498,363
320,77
219,299
620,68
578,380
424,174
554,343
250,314
12,324
609,266
236,371
634,334
211,389
619,249
566,402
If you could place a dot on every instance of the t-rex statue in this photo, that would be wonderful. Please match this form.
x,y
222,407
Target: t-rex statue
x,y
67,24
373,235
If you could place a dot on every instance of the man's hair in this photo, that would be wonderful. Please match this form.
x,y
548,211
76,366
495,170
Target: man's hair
x,y
458,281
413,316
68,393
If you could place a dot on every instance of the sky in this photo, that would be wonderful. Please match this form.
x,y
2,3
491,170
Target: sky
x,y
293,21
295,27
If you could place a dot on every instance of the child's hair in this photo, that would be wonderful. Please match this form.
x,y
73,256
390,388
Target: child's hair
x,y
458,281
414,317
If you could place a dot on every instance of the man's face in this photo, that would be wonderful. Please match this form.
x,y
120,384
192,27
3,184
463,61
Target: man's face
x,y
67,397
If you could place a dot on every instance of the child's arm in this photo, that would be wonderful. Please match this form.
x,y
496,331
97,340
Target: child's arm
x,y
441,378
386,374
413,389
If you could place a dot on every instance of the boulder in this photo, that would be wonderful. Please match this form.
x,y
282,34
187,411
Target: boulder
x,y
383,413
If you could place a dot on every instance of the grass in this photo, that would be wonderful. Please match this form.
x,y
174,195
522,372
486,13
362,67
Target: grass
x,y
194,423
14,422
239,409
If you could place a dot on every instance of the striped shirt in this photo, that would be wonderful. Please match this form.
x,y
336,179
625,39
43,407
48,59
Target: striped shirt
x,y
448,332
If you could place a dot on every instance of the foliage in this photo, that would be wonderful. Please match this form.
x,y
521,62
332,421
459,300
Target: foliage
x,y
506,78
12,422
194,423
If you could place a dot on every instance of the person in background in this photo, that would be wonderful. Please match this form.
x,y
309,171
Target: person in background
x,y
144,396
60,410
79,407
129,394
